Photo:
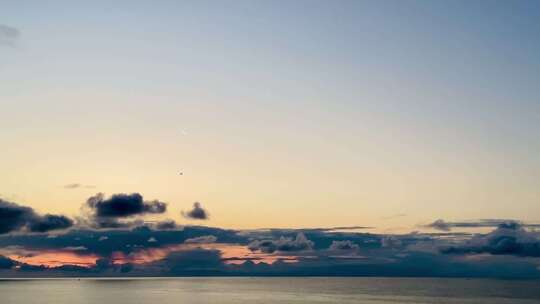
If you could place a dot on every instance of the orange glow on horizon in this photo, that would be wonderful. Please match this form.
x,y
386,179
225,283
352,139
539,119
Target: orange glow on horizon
x,y
56,259
231,254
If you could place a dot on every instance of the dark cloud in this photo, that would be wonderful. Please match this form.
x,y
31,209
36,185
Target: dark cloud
x,y
391,242
343,245
14,217
197,213
50,222
8,35
205,239
104,243
123,205
116,211
196,261
167,225
6,263
283,244
508,239
126,268
103,264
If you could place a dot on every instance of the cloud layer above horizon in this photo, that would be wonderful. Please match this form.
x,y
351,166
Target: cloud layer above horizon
x,y
113,237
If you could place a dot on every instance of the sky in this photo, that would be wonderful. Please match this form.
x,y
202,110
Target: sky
x,y
394,116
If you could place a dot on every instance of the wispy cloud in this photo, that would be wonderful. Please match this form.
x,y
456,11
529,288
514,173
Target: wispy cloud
x,y
77,186
205,239
446,226
394,216
8,35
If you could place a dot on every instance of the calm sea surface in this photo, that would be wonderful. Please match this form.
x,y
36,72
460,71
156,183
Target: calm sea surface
x,y
267,290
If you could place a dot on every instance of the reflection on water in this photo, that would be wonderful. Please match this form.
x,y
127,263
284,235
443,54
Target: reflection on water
x,y
267,290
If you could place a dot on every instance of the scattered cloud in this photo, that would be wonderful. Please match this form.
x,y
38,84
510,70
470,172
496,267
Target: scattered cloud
x,y
111,212
197,213
123,205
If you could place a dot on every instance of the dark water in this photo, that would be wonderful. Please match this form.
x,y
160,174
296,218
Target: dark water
x,y
267,290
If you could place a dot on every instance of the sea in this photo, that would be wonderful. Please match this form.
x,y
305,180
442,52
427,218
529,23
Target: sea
x,y
224,290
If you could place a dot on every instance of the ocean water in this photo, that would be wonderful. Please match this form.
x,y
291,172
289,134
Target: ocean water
x,y
267,290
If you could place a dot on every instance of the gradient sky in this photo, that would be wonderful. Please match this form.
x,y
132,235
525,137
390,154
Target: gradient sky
x,y
280,114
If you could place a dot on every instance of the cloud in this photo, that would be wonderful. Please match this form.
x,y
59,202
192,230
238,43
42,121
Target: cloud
x,y
167,225
394,216
14,217
76,186
75,248
197,213
391,242
50,222
103,264
439,225
6,263
210,261
443,225
8,35
339,228
283,244
198,260
125,268
112,212
508,239
206,239
510,250
343,245
106,243
123,205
